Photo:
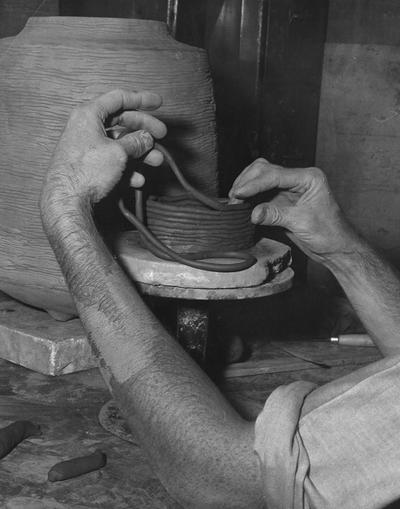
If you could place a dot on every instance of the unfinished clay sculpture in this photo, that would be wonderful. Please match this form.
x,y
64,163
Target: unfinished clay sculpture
x,y
56,63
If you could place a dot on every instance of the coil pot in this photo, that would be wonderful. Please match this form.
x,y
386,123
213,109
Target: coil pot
x,y
188,227
46,70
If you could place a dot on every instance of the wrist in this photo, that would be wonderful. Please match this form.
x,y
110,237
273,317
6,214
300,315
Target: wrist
x,y
60,203
348,256
327,238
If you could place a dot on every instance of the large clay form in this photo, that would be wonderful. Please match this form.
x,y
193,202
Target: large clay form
x,y
52,65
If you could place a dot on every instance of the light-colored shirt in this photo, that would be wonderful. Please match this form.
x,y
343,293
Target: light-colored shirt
x,y
336,446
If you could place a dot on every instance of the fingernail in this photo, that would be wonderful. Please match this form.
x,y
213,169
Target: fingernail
x,y
151,100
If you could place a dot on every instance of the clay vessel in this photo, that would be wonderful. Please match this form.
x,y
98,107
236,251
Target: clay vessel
x,y
187,226
49,67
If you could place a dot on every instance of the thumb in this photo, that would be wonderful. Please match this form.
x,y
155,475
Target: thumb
x,y
269,215
136,144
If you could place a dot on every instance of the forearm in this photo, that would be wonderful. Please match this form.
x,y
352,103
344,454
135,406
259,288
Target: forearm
x,y
305,206
193,438
373,287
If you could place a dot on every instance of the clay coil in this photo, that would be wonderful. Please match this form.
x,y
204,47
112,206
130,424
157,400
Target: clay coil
x,y
189,227
238,260
187,220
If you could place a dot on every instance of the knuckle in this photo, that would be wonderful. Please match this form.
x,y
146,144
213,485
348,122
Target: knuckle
x,y
317,174
275,217
268,215
259,167
262,165
118,92
97,108
144,141
119,95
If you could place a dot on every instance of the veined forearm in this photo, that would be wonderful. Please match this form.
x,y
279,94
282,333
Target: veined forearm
x,y
103,295
373,287
180,417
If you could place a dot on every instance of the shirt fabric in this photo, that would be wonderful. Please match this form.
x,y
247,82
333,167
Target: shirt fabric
x,y
334,446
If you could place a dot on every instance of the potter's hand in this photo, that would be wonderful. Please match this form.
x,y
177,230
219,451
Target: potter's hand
x,y
91,154
301,202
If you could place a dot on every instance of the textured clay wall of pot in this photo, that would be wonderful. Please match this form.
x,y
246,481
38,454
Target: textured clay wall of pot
x,y
49,67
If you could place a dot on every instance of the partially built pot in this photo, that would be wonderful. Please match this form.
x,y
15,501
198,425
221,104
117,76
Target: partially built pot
x,y
48,68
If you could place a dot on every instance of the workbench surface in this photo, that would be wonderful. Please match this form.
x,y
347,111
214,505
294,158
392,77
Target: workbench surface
x,y
67,408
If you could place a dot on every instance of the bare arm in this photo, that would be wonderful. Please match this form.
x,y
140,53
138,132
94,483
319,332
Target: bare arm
x,y
198,445
373,287
304,205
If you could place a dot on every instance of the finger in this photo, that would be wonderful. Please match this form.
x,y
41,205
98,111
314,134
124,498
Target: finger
x,y
135,120
117,100
137,180
116,132
270,215
253,185
136,144
256,167
234,201
242,176
154,158
273,177
254,170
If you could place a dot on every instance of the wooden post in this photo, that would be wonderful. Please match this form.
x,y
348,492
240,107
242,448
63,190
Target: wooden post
x,y
192,328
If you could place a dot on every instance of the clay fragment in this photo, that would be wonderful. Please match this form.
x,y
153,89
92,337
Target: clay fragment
x,y
77,466
15,433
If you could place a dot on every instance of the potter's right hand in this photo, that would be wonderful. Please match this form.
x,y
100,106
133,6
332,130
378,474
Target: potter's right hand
x,y
88,162
302,203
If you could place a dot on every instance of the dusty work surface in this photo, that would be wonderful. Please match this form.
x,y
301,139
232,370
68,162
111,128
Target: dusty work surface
x,y
67,408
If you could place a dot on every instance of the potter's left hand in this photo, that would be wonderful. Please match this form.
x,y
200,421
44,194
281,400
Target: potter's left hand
x,y
302,203
87,161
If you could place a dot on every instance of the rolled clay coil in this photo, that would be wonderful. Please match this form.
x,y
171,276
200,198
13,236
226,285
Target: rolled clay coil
x,y
77,466
15,433
226,226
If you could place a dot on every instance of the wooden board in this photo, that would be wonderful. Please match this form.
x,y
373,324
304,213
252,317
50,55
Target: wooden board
x,y
31,338
286,356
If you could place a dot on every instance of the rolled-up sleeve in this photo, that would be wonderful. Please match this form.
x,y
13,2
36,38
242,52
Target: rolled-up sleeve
x,y
333,446
283,457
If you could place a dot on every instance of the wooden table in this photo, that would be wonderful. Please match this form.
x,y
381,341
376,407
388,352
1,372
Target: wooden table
x,y
67,407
